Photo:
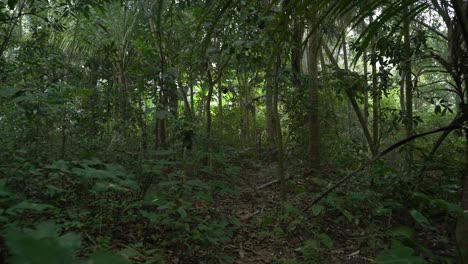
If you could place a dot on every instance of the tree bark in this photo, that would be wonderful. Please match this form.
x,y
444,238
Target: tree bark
x,y
220,108
208,102
461,26
408,83
314,117
270,113
375,105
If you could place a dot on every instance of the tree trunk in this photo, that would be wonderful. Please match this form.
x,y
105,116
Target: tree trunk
x,y
296,54
408,84
461,25
462,223
366,96
345,64
208,102
362,118
192,102
220,108
375,105
270,113
314,117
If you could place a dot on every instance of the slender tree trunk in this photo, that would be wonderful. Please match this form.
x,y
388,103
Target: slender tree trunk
x,y
402,89
142,124
192,100
156,121
208,102
314,117
461,26
245,106
366,95
346,67
375,106
187,107
408,84
278,135
220,108
362,118
296,54
461,231
270,112
163,95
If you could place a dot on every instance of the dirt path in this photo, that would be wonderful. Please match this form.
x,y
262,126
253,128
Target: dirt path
x,y
253,242
249,244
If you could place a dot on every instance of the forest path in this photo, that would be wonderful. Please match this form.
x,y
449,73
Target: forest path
x,y
250,244
258,210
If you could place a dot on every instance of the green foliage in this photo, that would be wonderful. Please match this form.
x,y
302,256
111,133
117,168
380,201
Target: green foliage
x,y
41,245
176,209
399,255
313,248
104,128
44,244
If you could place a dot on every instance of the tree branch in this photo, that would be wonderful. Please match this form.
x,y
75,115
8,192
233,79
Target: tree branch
x,y
377,157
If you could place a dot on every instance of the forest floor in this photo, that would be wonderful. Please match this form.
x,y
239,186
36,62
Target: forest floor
x,y
255,206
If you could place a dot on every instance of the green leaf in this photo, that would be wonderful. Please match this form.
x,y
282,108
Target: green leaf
x,y
198,183
44,230
28,97
419,218
347,214
28,206
290,208
105,257
154,218
326,240
60,165
448,207
317,209
70,240
403,231
235,221
399,255
41,245
421,196
8,91
182,212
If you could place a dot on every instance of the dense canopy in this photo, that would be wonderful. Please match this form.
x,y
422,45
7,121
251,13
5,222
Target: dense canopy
x,y
229,131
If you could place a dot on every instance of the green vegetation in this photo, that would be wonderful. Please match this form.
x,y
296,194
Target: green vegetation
x,y
203,131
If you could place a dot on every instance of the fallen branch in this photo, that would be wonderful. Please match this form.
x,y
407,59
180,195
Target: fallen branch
x,y
375,158
267,184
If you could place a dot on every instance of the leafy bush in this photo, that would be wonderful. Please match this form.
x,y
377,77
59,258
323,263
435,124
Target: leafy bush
x,y
44,244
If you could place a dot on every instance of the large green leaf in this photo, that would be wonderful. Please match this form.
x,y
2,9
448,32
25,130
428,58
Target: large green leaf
x,y
105,257
41,245
8,91
29,207
399,255
419,217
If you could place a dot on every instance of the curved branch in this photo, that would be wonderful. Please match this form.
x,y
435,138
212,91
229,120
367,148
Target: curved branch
x,y
456,122
380,155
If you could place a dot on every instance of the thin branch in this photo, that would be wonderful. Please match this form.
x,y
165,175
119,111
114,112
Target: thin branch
x,y
374,159
456,122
